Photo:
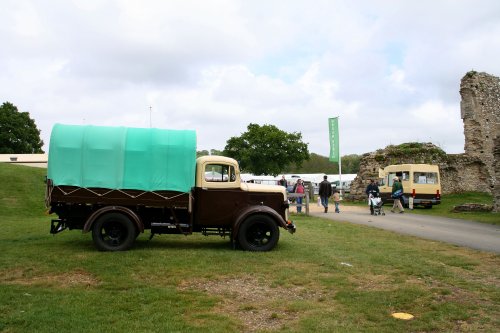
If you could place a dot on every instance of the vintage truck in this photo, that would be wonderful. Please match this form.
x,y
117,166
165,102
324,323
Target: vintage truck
x,y
117,182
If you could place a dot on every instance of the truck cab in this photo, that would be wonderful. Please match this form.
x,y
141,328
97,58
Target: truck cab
x,y
222,200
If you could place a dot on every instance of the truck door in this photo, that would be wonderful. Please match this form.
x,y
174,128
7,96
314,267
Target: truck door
x,y
219,196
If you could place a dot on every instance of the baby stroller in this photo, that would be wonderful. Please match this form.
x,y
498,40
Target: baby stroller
x,y
377,204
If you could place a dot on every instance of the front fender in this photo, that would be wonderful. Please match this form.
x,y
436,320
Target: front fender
x,y
251,210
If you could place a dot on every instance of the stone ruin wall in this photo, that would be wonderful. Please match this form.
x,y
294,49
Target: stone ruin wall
x,y
462,173
475,170
496,192
480,111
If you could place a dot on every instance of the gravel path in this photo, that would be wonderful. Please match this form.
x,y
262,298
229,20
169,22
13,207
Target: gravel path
x,y
470,234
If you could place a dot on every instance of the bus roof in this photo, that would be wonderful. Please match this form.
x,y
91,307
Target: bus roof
x,y
408,167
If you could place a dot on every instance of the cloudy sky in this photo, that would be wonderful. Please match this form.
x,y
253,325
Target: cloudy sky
x,y
390,70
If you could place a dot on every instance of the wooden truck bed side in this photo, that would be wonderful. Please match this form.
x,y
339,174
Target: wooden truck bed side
x,y
102,196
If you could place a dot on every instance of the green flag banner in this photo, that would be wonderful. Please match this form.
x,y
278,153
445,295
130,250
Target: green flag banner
x,y
333,125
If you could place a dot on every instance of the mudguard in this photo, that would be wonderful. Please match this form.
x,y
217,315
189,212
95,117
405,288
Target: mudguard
x,y
124,210
251,210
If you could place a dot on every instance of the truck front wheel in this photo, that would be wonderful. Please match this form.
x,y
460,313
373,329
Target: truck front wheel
x,y
113,232
258,233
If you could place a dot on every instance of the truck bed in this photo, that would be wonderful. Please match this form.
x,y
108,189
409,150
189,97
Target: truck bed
x,y
120,197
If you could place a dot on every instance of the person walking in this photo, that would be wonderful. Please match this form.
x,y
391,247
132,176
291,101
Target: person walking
x,y
325,192
299,189
336,200
372,191
397,194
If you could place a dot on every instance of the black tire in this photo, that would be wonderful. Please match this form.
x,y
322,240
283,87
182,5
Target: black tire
x,y
113,232
258,233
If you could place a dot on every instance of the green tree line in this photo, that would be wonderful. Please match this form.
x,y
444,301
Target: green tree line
x,y
18,132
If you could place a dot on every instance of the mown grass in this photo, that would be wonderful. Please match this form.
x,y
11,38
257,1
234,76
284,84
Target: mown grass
x,y
328,277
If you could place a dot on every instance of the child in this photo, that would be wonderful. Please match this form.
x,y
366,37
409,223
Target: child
x,y
336,200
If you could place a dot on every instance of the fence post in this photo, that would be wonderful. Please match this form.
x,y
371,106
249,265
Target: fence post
x,y
303,195
307,203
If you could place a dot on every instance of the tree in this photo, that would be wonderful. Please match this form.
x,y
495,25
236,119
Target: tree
x,y
266,149
315,164
18,132
321,164
206,152
202,153
350,163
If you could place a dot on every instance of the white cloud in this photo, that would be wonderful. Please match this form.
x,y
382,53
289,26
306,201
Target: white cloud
x,y
217,66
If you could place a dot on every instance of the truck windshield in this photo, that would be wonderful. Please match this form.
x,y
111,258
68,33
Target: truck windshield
x,y
219,173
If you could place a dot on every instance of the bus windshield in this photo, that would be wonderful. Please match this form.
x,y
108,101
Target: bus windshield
x,y
425,178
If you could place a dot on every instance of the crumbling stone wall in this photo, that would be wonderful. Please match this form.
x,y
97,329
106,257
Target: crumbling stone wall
x,y
496,189
462,173
475,170
480,111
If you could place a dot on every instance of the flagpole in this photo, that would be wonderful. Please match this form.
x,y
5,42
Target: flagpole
x,y
340,165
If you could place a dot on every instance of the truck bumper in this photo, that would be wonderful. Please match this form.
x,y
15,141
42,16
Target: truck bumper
x,y
290,226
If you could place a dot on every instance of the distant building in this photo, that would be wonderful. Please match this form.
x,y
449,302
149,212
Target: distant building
x,y
33,160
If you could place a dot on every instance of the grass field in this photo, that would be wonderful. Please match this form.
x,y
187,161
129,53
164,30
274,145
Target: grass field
x,y
328,277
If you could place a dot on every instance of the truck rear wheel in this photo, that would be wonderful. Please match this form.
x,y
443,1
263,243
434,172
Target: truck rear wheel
x,y
113,232
258,233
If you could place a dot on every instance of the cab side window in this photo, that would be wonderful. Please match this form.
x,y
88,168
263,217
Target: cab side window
x,y
220,173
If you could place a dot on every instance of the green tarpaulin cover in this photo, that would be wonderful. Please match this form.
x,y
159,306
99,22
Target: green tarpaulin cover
x,y
146,159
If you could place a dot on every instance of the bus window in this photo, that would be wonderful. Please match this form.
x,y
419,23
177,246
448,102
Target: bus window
x,y
402,175
425,178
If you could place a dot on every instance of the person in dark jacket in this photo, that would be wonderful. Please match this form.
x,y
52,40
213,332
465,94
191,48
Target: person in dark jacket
x,y
397,187
283,181
325,192
372,191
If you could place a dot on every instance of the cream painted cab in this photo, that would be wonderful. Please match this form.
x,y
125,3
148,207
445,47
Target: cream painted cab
x,y
224,173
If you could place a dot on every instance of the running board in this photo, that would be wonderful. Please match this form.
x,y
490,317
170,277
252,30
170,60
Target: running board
x,y
169,225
